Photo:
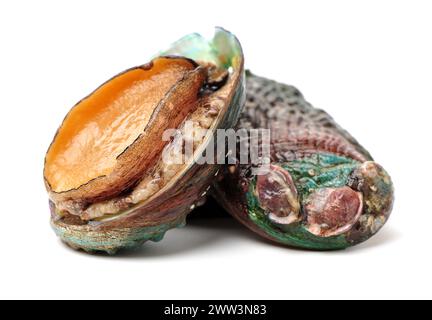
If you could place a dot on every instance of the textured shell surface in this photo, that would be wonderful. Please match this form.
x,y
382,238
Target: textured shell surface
x,y
323,190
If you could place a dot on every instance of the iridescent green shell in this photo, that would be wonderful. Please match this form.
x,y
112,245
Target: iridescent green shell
x,y
323,190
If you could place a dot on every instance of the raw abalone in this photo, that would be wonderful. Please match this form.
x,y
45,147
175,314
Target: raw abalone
x,y
109,181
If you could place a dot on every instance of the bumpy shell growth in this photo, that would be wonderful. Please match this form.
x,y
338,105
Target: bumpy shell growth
x,y
323,190
109,183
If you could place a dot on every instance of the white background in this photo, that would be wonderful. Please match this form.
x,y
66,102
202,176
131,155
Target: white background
x,y
368,63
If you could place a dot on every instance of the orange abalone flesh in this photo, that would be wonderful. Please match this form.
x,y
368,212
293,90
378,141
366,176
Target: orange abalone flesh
x,y
108,184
